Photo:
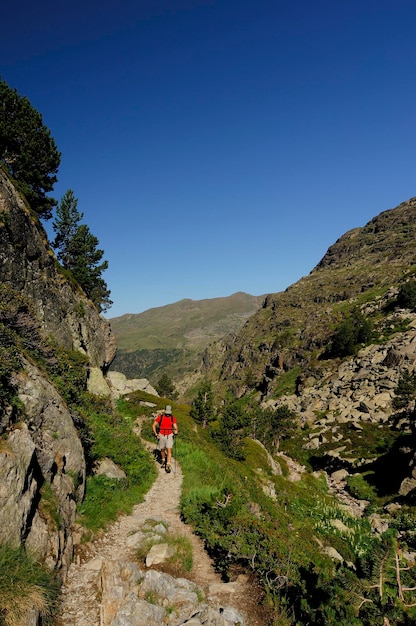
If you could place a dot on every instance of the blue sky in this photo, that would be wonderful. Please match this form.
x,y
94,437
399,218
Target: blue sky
x,y
219,146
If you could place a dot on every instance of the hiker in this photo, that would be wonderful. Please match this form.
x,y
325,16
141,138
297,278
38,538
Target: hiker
x,y
167,427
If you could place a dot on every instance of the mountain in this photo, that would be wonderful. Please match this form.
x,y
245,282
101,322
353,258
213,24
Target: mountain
x,y
170,339
290,333
335,349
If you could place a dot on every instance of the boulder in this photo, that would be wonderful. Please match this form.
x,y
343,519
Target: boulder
x,y
120,385
159,553
107,467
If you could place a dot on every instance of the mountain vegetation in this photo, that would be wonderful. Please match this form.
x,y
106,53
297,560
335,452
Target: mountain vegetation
x,y
27,150
169,340
29,155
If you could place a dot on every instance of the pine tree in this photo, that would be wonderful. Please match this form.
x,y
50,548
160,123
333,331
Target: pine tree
x,y
77,250
27,150
166,388
65,226
405,392
232,429
202,410
407,295
84,263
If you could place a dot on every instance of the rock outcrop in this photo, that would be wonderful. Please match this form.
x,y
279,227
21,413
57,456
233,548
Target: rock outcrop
x,y
362,388
29,266
120,385
42,464
133,597
359,392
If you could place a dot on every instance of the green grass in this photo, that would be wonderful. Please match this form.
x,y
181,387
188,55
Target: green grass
x,y
360,489
49,507
181,560
24,585
286,383
105,497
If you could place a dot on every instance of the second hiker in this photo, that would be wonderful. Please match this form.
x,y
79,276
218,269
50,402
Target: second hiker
x,y
167,427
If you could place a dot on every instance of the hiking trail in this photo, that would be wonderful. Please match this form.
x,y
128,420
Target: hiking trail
x,y
80,597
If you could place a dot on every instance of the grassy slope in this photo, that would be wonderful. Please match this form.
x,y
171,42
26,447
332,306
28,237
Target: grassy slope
x,y
278,530
169,340
188,323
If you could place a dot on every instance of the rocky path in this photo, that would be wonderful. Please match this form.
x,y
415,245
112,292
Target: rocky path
x,y
80,597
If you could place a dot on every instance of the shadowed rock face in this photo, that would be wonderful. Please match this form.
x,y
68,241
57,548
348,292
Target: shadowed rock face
x,y
42,464
28,265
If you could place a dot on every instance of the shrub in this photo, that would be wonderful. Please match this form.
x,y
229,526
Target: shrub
x,y
406,298
354,331
359,488
25,584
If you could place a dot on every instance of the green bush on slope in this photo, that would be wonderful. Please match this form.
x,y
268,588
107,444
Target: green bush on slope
x,y
24,585
244,530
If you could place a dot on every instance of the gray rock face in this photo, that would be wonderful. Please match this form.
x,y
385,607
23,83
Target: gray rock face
x,y
131,597
18,486
28,265
120,385
360,391
41,460
42,465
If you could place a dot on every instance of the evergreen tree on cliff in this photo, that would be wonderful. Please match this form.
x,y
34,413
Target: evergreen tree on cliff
x,y
77,250
27,150
202,410
65,226
86,266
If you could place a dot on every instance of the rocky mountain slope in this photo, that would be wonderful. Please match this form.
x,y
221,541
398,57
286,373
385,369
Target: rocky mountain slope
x,y
294,327
345,404
46,325
169,339
279,358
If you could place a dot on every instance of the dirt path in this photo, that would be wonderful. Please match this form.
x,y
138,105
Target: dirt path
x,y
80,605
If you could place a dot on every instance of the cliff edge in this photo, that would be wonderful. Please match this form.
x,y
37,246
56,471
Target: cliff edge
x,y
43,314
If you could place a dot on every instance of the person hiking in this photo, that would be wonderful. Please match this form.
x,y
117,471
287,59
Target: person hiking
x,y
167,426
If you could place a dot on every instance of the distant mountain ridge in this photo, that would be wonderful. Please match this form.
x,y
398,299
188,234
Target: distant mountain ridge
x,y
170,339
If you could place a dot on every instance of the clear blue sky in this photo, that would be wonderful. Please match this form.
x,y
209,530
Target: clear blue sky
x,y
219,146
